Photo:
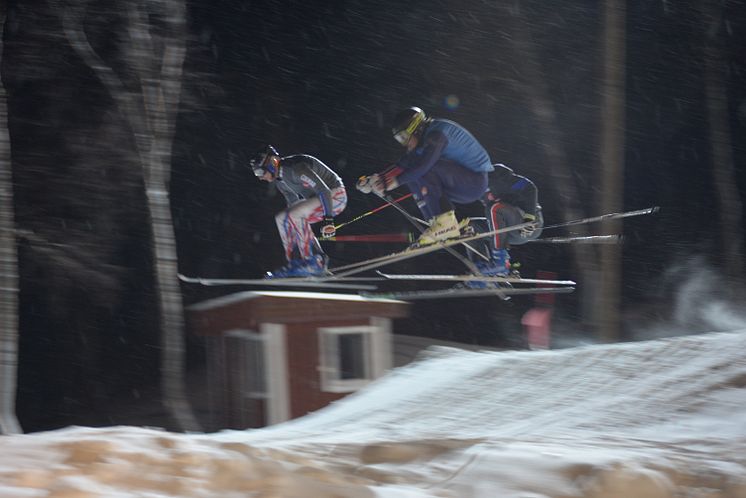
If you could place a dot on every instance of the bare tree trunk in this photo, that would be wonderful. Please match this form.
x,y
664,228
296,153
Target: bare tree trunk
x,y
8,271
537,94
151,114
612,167
161,104
723,168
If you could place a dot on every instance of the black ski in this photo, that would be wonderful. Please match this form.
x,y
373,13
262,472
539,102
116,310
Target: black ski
x,y
501,292
513,280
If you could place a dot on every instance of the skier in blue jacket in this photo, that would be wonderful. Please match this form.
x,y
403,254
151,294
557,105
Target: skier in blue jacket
x,y
444,164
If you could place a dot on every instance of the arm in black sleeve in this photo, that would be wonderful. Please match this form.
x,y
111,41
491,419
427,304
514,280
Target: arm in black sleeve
x,y
527,195
514,189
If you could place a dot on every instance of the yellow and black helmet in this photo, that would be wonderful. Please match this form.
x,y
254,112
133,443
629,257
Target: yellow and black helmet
x,y
407,123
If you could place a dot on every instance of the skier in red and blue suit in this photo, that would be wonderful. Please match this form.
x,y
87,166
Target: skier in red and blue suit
x,y
314,193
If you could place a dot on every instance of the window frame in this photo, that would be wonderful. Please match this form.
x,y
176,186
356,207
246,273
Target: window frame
x,y
329,357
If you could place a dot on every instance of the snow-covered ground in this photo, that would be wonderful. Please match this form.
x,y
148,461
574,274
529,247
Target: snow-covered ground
x,y
663,418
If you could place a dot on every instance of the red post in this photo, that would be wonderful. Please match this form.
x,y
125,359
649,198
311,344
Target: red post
x,y
537,321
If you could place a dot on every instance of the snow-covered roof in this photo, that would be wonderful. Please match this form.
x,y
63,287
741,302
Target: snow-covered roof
x,y
248,295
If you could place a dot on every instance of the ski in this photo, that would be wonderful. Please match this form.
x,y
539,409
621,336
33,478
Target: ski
x,y
329,282
376,237
590,239
410,237
373,263
513,280
502,292
370,264
418,224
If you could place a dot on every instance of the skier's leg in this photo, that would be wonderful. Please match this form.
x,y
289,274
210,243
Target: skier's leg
x,y
499,216
481,246
287,230
460,185
446,183
339,202
436,191
427,193
297,238
299,219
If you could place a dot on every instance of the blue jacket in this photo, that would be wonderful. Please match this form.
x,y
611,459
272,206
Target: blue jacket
x,y
443,139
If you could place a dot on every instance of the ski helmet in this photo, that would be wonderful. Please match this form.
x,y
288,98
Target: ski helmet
x,y
262,161
407,123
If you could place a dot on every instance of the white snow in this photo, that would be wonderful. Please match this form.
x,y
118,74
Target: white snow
x,y
656,419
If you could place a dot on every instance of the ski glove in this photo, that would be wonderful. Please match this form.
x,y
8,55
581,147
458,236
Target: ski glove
x,y
527,231
327,229
390,182
372,183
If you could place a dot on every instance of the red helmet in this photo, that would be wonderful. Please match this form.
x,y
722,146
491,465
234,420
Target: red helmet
x,y
262,161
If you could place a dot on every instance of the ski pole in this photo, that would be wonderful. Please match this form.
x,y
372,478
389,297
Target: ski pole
x,y
373,263
376,237
414,220
588,239
604,217
373,211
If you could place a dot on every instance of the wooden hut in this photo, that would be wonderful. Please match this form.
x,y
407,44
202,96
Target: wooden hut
x,y
274,356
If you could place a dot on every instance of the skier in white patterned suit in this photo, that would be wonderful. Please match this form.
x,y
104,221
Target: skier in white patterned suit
x,y
314,193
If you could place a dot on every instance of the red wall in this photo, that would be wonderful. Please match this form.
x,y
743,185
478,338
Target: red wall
x,y
303,359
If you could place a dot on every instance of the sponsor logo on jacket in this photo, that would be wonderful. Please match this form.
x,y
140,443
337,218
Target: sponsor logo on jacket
x,y
307,182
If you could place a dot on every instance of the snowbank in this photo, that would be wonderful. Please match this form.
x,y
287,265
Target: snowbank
x,y
658,419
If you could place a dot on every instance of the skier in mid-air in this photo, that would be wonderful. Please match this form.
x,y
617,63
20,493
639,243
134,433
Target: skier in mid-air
x,y
314,193
445,164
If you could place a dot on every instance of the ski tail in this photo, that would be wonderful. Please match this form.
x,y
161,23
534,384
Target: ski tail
x,y
504,293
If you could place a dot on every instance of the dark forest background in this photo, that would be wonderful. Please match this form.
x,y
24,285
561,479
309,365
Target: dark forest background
x,y
325,78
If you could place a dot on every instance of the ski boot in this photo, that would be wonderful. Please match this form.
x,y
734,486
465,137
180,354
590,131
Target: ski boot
x,y
442,227
313,266
497,266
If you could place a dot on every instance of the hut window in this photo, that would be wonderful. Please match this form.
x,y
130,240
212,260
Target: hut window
x,y
347,359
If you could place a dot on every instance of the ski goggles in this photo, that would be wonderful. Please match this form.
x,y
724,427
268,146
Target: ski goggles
x,y
403,136
258,172
261,165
